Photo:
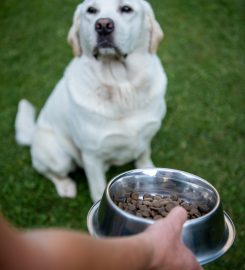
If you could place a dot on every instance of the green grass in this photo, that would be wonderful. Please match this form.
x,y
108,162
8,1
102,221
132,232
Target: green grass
x,y
203,132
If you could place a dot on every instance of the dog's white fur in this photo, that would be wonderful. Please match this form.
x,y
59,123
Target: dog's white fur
x,y
106,109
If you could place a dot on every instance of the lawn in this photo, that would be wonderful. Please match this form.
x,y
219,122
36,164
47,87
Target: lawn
x,y
203,132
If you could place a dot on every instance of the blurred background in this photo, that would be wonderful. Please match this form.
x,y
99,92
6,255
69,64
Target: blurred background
x,y
203,132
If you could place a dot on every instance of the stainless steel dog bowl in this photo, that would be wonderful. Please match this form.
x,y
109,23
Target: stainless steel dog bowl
x,y
208,236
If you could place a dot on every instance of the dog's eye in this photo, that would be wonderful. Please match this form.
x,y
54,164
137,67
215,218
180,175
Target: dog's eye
x,y
126,9
92,10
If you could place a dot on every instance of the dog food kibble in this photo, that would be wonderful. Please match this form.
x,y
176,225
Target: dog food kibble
x,y
158,206
135,195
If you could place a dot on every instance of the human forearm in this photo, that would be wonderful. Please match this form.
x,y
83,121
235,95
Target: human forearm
x,y
118,253
73,251
17,253
64,250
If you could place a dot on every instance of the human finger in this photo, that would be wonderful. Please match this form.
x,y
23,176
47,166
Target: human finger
x,y
176,218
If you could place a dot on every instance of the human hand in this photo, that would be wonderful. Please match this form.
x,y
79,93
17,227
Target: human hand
x,y
168,250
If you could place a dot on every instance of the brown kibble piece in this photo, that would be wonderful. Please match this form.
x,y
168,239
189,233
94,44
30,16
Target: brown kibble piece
x,y
147,203
196,215
131,207
157,197
194,205
153,213
203,208
194,211
163,202
139,202
148,199
120,205
164,214
134,202
135,195
186,206
146,195
174,197
156,203
170,206
157,217
145,214
143,207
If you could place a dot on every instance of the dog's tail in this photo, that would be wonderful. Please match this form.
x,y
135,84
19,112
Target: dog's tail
x,y
25,122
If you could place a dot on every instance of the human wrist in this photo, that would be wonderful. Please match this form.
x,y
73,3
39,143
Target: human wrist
x,y
157,247
145,251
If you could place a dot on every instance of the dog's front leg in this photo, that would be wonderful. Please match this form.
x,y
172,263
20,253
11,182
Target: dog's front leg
x,y
95,172
144,160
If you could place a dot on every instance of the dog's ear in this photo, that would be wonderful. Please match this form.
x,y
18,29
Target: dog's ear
x,y
156,33
73,37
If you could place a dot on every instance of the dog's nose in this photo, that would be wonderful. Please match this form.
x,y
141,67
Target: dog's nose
x,y
104,26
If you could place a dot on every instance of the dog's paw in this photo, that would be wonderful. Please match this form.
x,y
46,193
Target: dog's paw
x,y
66,188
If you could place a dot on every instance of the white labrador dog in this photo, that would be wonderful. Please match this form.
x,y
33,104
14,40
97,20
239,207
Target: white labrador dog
x,y
109,104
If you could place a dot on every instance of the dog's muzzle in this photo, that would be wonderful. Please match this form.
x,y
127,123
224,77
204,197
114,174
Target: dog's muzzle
x,y
104,27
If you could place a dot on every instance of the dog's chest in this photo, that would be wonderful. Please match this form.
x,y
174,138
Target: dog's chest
x,y
116,119
128,139
118,140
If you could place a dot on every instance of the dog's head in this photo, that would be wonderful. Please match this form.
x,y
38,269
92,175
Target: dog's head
x,y
114,28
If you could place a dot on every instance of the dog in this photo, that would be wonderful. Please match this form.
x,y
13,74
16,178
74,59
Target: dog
x,y
109,103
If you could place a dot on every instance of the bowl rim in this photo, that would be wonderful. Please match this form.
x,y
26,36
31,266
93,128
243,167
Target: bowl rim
x,y
150,170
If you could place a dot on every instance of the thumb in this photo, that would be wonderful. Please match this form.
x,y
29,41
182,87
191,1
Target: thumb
x,y
176,218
